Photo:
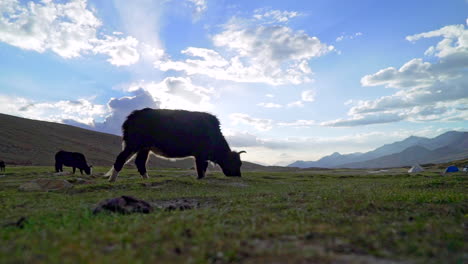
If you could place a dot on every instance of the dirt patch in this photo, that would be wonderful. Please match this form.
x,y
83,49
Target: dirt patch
x,y
45,185
177,204
254,251
156,184
227,182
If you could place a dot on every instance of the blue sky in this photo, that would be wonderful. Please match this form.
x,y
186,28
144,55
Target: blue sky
x,y
288,80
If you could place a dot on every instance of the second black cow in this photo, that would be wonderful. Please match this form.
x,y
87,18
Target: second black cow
x,y
71,159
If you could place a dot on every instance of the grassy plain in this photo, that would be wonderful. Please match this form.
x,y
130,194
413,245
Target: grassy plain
x,y
332,216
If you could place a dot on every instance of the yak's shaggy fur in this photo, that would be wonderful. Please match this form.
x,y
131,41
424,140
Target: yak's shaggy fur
x,y
175,134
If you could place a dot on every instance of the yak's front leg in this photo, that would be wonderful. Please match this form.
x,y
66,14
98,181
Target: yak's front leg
x,y
119,163
140,162
58,167
74,169
202,164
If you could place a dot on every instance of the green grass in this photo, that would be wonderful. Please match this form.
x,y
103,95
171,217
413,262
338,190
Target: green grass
x,y
320,217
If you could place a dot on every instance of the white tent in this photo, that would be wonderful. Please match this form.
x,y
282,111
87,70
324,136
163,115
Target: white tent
x,y
415,168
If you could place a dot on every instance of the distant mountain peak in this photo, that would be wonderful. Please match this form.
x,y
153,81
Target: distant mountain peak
x,y
450,144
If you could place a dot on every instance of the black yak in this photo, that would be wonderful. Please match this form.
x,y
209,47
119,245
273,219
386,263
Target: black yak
x,y
71,159
175,134
2,165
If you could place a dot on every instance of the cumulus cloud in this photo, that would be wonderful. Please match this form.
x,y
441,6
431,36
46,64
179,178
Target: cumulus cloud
x,y
308,95
69,30
122,51
298,103
81,110
274,16
257,123
352,36
177,93
199,7
253,52
298,123
425,91
120,108
360,120
270,105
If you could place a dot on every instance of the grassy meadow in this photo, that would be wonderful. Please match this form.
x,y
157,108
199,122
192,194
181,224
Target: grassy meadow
x,y
329,216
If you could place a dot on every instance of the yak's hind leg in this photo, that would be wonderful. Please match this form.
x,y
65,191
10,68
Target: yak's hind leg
x,y
140,162
120,162
202,164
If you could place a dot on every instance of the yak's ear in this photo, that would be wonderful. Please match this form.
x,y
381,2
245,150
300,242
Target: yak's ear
x,y
242,151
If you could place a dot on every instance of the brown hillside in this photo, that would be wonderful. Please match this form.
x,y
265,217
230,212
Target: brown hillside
x,y
32,142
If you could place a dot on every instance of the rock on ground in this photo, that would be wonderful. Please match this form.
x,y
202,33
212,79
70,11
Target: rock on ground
x,y
124,205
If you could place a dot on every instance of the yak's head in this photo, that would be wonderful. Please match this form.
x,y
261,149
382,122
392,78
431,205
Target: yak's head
x,y
88,170
232,164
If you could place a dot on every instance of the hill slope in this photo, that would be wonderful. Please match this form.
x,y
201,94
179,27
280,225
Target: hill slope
x,y
32,142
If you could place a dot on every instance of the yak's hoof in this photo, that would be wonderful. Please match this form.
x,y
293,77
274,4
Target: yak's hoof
x,y
145,176
114,175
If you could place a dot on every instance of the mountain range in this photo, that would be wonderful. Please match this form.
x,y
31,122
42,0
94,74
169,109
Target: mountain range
x,y
452,145
32,142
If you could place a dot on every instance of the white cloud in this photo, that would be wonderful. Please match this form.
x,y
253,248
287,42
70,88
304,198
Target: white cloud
x,y
426,91
298,103
199,7
308,95
352,36
455,40
122,51
177,93
257,123
298,123
120,108
273,44
81,110
274,16
68,29
270,105
359,120
271,54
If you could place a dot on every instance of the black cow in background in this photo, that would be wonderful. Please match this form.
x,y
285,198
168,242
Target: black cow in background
x,y
71,159
175,134
2,165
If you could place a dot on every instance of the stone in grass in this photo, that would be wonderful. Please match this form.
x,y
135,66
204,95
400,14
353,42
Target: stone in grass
x,y
45,185
124,205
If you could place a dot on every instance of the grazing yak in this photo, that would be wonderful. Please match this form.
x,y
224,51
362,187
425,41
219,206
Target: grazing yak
x,y
175,134
71,159
2,165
